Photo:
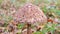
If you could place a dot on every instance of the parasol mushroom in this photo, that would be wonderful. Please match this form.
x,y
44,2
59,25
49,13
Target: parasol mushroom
x,y
30,14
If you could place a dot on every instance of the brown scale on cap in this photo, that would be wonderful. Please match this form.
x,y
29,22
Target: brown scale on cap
x,y
30,13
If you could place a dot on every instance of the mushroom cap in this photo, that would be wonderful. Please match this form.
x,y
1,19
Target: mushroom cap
x,y
30,13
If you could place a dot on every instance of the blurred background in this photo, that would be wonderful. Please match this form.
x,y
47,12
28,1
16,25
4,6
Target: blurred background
x,y
51,9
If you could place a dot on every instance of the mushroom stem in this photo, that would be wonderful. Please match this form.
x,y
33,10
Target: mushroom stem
x,y
29,29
